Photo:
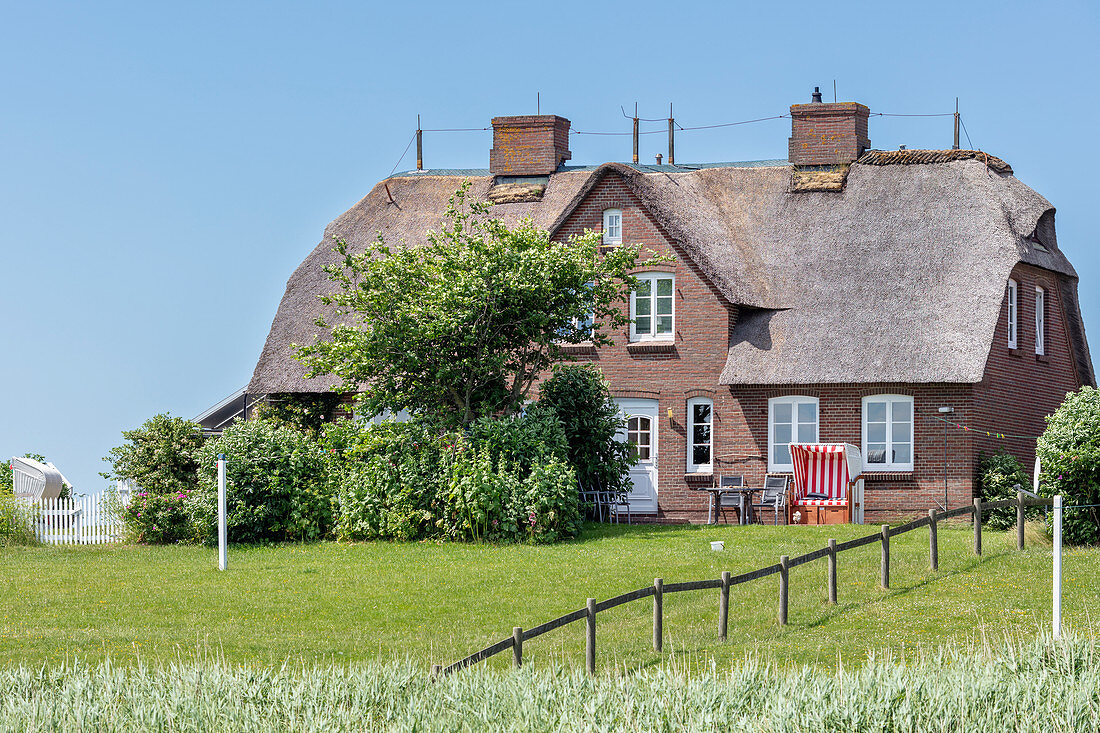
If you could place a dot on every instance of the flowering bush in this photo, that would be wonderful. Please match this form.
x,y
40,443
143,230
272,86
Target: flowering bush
x,y
158,518
1069,450
278,485
1000,474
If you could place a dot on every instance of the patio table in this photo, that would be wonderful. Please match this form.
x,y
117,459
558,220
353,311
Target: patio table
x,y
716,493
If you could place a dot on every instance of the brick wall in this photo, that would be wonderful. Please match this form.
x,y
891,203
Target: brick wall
x,y
693,364
827,134
1019,388
529,145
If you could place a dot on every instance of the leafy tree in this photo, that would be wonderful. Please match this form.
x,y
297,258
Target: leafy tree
x,y
580,397
161,456
1069,450
461,326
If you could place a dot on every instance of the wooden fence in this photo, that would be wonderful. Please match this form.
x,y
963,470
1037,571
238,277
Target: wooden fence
x,y
724,583
89,520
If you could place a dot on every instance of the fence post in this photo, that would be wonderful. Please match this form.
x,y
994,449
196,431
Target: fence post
x,y
724,606
517,646
1056,601
832,572
223,558
658,614
933,542
978,527
590,641
1019,520
886,557
784,587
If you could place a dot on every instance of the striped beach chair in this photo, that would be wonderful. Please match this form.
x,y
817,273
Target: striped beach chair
x,y
827,475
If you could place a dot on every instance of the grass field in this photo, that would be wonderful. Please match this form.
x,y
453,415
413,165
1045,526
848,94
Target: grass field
x,y
434,603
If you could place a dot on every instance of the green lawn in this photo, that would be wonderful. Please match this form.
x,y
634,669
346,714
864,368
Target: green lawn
x,y
434,603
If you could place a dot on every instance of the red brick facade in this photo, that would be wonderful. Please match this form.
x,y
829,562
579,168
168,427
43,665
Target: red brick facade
x,y
1018,389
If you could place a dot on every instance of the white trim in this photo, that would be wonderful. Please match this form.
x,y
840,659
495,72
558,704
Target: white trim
x,y
794,401
889,442
612,226
693,467
651,334
1040,321
1013,317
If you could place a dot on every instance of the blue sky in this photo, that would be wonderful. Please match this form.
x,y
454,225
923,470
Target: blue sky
x,y
165,167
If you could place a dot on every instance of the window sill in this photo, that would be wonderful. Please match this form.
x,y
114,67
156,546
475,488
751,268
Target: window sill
x,y
586,348
1014,352
665,346
699,477
1042,358
899,475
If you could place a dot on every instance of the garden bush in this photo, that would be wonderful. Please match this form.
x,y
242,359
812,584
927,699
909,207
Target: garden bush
x,y
278,485
1069,451
1000,474
161,457
16,519
591,420
507,481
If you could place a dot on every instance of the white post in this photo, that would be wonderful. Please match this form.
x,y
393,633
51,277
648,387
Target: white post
x,y
1035,476
223,559
1058,567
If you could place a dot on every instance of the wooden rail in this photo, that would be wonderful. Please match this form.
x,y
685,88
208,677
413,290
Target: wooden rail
x,y
724,583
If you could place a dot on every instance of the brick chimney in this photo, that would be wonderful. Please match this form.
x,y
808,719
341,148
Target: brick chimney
x,y
529,145
827,133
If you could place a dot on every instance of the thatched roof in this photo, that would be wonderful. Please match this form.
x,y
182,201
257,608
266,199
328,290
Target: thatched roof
x,y
899,277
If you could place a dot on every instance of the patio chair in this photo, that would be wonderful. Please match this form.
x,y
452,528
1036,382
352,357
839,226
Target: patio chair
x,y
729,501
616,502
774,496
590,496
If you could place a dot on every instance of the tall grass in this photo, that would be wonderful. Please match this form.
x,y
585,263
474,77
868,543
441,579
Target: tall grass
x,y
16,522
1021,685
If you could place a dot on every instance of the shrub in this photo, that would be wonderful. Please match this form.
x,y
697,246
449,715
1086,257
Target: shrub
x,y
307,413
411,480
591,420
277,485
1000,474
161,457
1069,451
16,518
158,519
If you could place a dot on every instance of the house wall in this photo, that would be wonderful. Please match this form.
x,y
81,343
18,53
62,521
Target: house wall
x,y
1019,388
691,367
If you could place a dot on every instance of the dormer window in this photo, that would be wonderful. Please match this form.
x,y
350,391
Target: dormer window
x,y
1040,321
1012,288
612,226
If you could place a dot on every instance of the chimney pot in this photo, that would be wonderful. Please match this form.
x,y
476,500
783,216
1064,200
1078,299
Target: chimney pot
x,y
529,145
816,98
659,158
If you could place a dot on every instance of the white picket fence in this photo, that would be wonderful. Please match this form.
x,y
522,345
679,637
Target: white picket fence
x,y
88,520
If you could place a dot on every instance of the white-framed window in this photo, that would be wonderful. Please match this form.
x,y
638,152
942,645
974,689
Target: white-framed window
x,y
700,437
652,307
384,416
612,226
888,433
579,324
1040,321
790,420
1012,289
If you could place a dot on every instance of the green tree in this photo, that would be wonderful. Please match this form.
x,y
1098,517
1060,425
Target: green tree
x,y
461,326
1069,451
306,413
580,397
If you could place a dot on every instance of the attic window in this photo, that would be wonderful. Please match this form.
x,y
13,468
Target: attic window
x,y
517,189
612,226
1040,321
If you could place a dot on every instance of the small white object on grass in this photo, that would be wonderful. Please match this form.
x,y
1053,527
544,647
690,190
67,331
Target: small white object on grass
x,y
717,545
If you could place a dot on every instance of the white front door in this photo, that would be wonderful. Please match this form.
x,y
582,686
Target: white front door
x,y
641,433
